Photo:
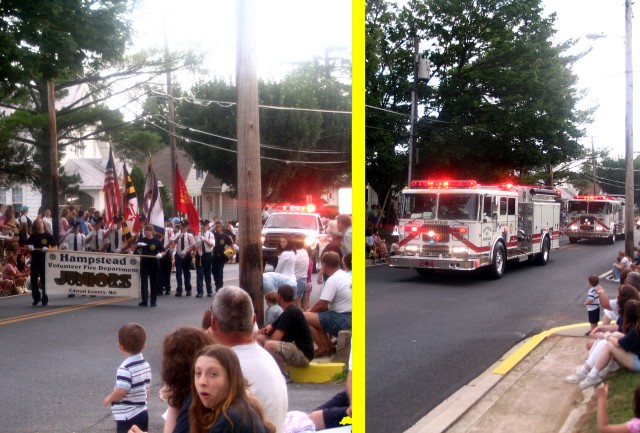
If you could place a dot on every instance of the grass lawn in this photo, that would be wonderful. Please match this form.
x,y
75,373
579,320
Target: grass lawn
x,y
622,384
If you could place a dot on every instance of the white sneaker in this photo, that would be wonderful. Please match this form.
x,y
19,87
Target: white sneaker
x,y
590,381
610,368
577,377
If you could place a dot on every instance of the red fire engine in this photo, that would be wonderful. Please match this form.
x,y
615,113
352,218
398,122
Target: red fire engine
x,y
461,225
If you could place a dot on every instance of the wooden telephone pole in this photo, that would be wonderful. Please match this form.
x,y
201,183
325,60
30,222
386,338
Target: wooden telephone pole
x,y
249,173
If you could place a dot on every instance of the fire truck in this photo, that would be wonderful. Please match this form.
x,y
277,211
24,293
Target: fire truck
x,y
460,225
595,217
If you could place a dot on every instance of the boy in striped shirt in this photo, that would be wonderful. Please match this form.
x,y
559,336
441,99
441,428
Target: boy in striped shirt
x,y
128,399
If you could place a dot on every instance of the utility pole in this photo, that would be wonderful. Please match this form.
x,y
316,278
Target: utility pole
x,y
593,166
414,107
53,134
172,117
629,181
420,72
249,173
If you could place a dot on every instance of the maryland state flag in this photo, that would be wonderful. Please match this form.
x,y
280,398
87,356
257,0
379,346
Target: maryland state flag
x,y
184,204
111,191
131,216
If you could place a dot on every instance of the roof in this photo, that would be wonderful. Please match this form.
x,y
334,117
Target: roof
x,y
91,171
163,169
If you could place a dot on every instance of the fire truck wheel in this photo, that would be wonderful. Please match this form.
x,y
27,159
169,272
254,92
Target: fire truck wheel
x,y
573,240
498,262
543,256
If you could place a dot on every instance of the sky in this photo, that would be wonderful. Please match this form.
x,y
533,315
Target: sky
x,y
602,71
288,31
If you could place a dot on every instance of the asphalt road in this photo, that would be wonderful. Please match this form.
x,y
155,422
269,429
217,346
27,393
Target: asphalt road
x,y
429,336
59,362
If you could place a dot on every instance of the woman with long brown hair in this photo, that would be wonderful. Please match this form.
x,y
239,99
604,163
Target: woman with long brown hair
x,y
221,400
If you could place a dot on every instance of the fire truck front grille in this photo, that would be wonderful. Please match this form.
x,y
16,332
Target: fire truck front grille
x,y
433,233
435,249
586,228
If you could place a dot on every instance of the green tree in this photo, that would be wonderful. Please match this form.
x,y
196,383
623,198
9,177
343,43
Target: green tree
x,y
500,101
297,145
52,41
389,53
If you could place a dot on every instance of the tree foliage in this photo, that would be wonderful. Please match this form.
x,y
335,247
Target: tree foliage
x,y
77,46
500,101
302,151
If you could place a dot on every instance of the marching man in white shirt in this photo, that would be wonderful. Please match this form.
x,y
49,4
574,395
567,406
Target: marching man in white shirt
x,y
185,243
114,236
74,240
166,262
95,240
205,243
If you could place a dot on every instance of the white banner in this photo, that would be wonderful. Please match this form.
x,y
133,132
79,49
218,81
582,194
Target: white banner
x,y
88,273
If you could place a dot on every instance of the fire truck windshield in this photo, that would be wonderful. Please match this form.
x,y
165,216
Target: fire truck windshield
x,y
584,207
451,206
292,221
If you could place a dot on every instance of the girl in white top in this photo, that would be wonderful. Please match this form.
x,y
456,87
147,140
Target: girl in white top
x,y
287,259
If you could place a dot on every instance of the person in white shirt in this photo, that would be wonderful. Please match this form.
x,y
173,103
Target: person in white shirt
x,y
74,240
232,324
204,245
185,244
332,312
95,240
344,226
303,270
113,236
166,262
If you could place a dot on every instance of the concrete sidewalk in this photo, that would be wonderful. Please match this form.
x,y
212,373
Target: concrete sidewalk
x,y
523,391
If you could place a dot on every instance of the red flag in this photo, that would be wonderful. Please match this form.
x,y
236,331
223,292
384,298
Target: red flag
x,y
184,204
131,216
111,190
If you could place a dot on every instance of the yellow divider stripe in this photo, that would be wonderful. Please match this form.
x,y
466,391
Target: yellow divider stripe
x,y
58,311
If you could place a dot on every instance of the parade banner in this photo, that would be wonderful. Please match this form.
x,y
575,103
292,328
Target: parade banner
x,y
89,273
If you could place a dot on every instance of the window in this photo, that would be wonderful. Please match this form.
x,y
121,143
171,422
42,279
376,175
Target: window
x,y
512,206
199,174
503,205
3,195
16,197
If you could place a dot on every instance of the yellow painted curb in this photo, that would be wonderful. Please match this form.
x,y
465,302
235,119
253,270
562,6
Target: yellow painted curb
x,y
506,365
316,372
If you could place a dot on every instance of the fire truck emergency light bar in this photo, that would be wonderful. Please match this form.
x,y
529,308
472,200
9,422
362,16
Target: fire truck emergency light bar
x,y
444,184
593,197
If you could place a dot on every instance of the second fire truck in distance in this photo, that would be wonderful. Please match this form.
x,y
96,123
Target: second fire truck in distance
x,y
461,225
595,217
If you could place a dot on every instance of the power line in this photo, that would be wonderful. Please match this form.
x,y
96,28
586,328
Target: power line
x,y
227,104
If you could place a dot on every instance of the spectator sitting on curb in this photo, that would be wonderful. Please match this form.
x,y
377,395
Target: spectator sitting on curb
x,y
289,337
622,262
332,413
633,425
178,355
332,312
232,323
622,347
273,309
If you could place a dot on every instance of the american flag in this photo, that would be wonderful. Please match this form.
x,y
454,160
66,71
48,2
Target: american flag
x,y
111,190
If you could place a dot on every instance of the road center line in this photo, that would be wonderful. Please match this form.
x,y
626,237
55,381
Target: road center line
x,y
59,311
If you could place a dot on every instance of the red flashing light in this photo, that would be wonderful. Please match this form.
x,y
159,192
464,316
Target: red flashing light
x,y
463,230
444,184
507,186
413,229
593,197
